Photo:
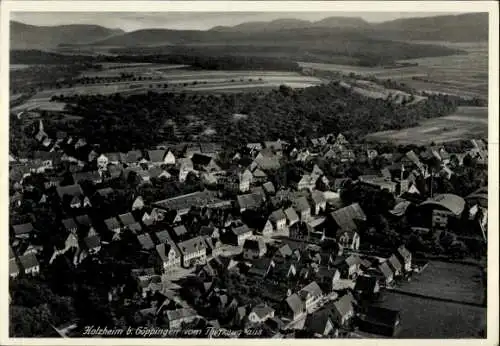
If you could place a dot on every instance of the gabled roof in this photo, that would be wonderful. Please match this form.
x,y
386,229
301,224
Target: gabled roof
x,y
254,244
317,321
284,251
13,268
453,203
301,204
295,303
318,197
24,228
250,200
28,261
126,219
385,269
345,217
71,190
403,251
291,215
191,245
92,242
133,156
201,160
69,224
277,215
164,248
344,304
84,220
145,241
156,155
262,310
180,230
312,289
394,262
269,187
352,260
112,223
400,208
163,236
241,230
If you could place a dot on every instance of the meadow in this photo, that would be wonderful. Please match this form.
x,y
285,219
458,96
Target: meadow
x,y
465,123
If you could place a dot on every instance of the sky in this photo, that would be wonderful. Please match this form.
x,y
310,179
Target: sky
x,y
130,21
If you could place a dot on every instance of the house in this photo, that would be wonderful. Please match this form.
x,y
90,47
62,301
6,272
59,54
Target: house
x,y
249,201
23,231
254,248
113,225
293,307
326,277
92,244
92,176
387,273
102,161
73,195
404,257
378,320
319,323
348,239
259,176
145,241
179,232
261,267
267,228
214,246
29,264
210,149
176,318
310,295
366,286
395,265
238,235
193,251
127,221
291,216
132,158
318,201
343,310
169,255
70,225
157,157
440,209
348,218
138,203
278,220
269,188
302,207
245,179
185,166
113,158
13,268
307,182
266,163
350,267
260,313
275,146
204,163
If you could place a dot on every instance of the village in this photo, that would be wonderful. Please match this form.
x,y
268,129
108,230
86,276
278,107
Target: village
x,y
239,246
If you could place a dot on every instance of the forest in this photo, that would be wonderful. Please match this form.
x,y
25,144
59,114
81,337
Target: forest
x,y
120,123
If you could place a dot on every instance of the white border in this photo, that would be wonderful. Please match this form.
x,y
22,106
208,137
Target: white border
x,y
259,6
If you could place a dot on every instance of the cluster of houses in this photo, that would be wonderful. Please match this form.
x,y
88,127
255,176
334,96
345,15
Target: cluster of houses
x,y
300,243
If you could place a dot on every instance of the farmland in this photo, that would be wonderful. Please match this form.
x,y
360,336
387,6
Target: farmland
x,y
467,122
462,75
452,281
426,318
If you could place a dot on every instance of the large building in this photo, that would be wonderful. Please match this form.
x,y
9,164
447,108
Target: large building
x,y
441,208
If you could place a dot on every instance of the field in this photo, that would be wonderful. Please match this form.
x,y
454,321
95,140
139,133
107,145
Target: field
x,y
425,318
467,122
448,281
463,75
373,90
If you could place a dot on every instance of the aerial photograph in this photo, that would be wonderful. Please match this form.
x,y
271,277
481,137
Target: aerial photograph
x,y
310,175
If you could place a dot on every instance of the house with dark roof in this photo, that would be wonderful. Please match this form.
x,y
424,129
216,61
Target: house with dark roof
x,y
169,255
366,286
307,182
291,216
326,277
70,225
249,201
192,251
386,271
113,225
350,267
310,295
343,310
175,318
29,264
237,235
319,323
302,207
278,220
254,248
214,246
13,268
73,195
404,257
92,244
269,188
145,241
379,320
92,176
23,231
396,266
261,267
204,163
293,307
318,201
260,313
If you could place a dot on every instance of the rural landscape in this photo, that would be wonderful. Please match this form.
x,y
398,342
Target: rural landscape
x,y
283,178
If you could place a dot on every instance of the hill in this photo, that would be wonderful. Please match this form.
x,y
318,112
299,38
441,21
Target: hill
x,y
469,27
24,36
